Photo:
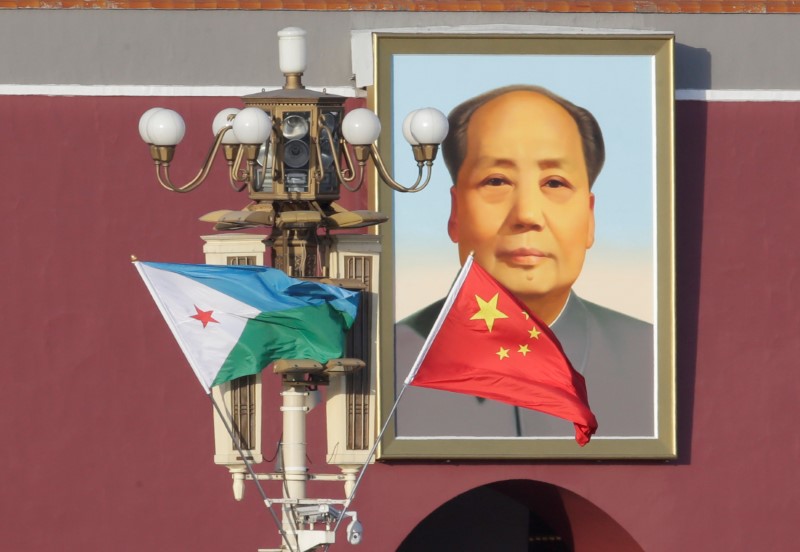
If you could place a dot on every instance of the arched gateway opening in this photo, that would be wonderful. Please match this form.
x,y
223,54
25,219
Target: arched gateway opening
x,y
519,516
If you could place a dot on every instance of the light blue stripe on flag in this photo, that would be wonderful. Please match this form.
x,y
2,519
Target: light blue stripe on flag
x,y
266,289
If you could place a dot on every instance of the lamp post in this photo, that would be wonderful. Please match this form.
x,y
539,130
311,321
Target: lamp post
x,y
291,151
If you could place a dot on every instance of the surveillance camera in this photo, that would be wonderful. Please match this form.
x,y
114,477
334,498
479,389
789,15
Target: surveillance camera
x,y
354,532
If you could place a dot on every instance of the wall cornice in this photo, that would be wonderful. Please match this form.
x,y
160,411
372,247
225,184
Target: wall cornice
x,y
544,6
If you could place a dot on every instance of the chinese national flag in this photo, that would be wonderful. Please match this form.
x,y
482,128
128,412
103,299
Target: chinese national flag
x,y
486,343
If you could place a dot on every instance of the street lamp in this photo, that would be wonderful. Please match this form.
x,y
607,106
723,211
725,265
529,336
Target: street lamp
x,y
292,150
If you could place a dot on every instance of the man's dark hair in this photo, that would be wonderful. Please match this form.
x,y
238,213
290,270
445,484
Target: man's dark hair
x,y
454,147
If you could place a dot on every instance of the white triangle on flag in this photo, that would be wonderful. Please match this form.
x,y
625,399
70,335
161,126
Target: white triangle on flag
x,y
206,346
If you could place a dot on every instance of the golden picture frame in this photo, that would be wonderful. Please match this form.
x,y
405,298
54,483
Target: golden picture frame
x,y
626,81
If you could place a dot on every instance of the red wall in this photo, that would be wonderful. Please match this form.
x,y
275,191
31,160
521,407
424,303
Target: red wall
x,y
107,436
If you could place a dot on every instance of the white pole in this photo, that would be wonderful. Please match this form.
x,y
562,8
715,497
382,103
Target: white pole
x,y
293,452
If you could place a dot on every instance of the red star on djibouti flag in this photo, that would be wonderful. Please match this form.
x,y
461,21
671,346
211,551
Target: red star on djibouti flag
x,y
204,316
488,344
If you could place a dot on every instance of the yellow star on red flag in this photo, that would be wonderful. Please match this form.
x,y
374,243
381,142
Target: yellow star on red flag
x,y
488,311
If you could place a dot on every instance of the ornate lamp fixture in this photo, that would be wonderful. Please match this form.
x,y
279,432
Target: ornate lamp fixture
x,y
291,150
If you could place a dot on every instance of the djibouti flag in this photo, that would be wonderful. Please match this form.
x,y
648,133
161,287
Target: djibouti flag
x,y
232,321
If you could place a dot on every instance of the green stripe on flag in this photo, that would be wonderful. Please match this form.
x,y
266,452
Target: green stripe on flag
x,y
312,332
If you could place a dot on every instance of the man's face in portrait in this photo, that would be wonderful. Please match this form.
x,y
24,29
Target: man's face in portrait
x,y
522,201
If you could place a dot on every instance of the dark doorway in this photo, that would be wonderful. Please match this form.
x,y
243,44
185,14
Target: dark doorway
x,y
518,516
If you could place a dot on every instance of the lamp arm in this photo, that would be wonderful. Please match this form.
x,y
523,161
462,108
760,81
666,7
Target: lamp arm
x,y
233,172
201,176
346,175
272,151
391,182
349,174
357,187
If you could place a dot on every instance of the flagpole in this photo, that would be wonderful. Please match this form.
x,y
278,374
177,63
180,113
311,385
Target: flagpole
x,y
369,457
462,274
249,467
